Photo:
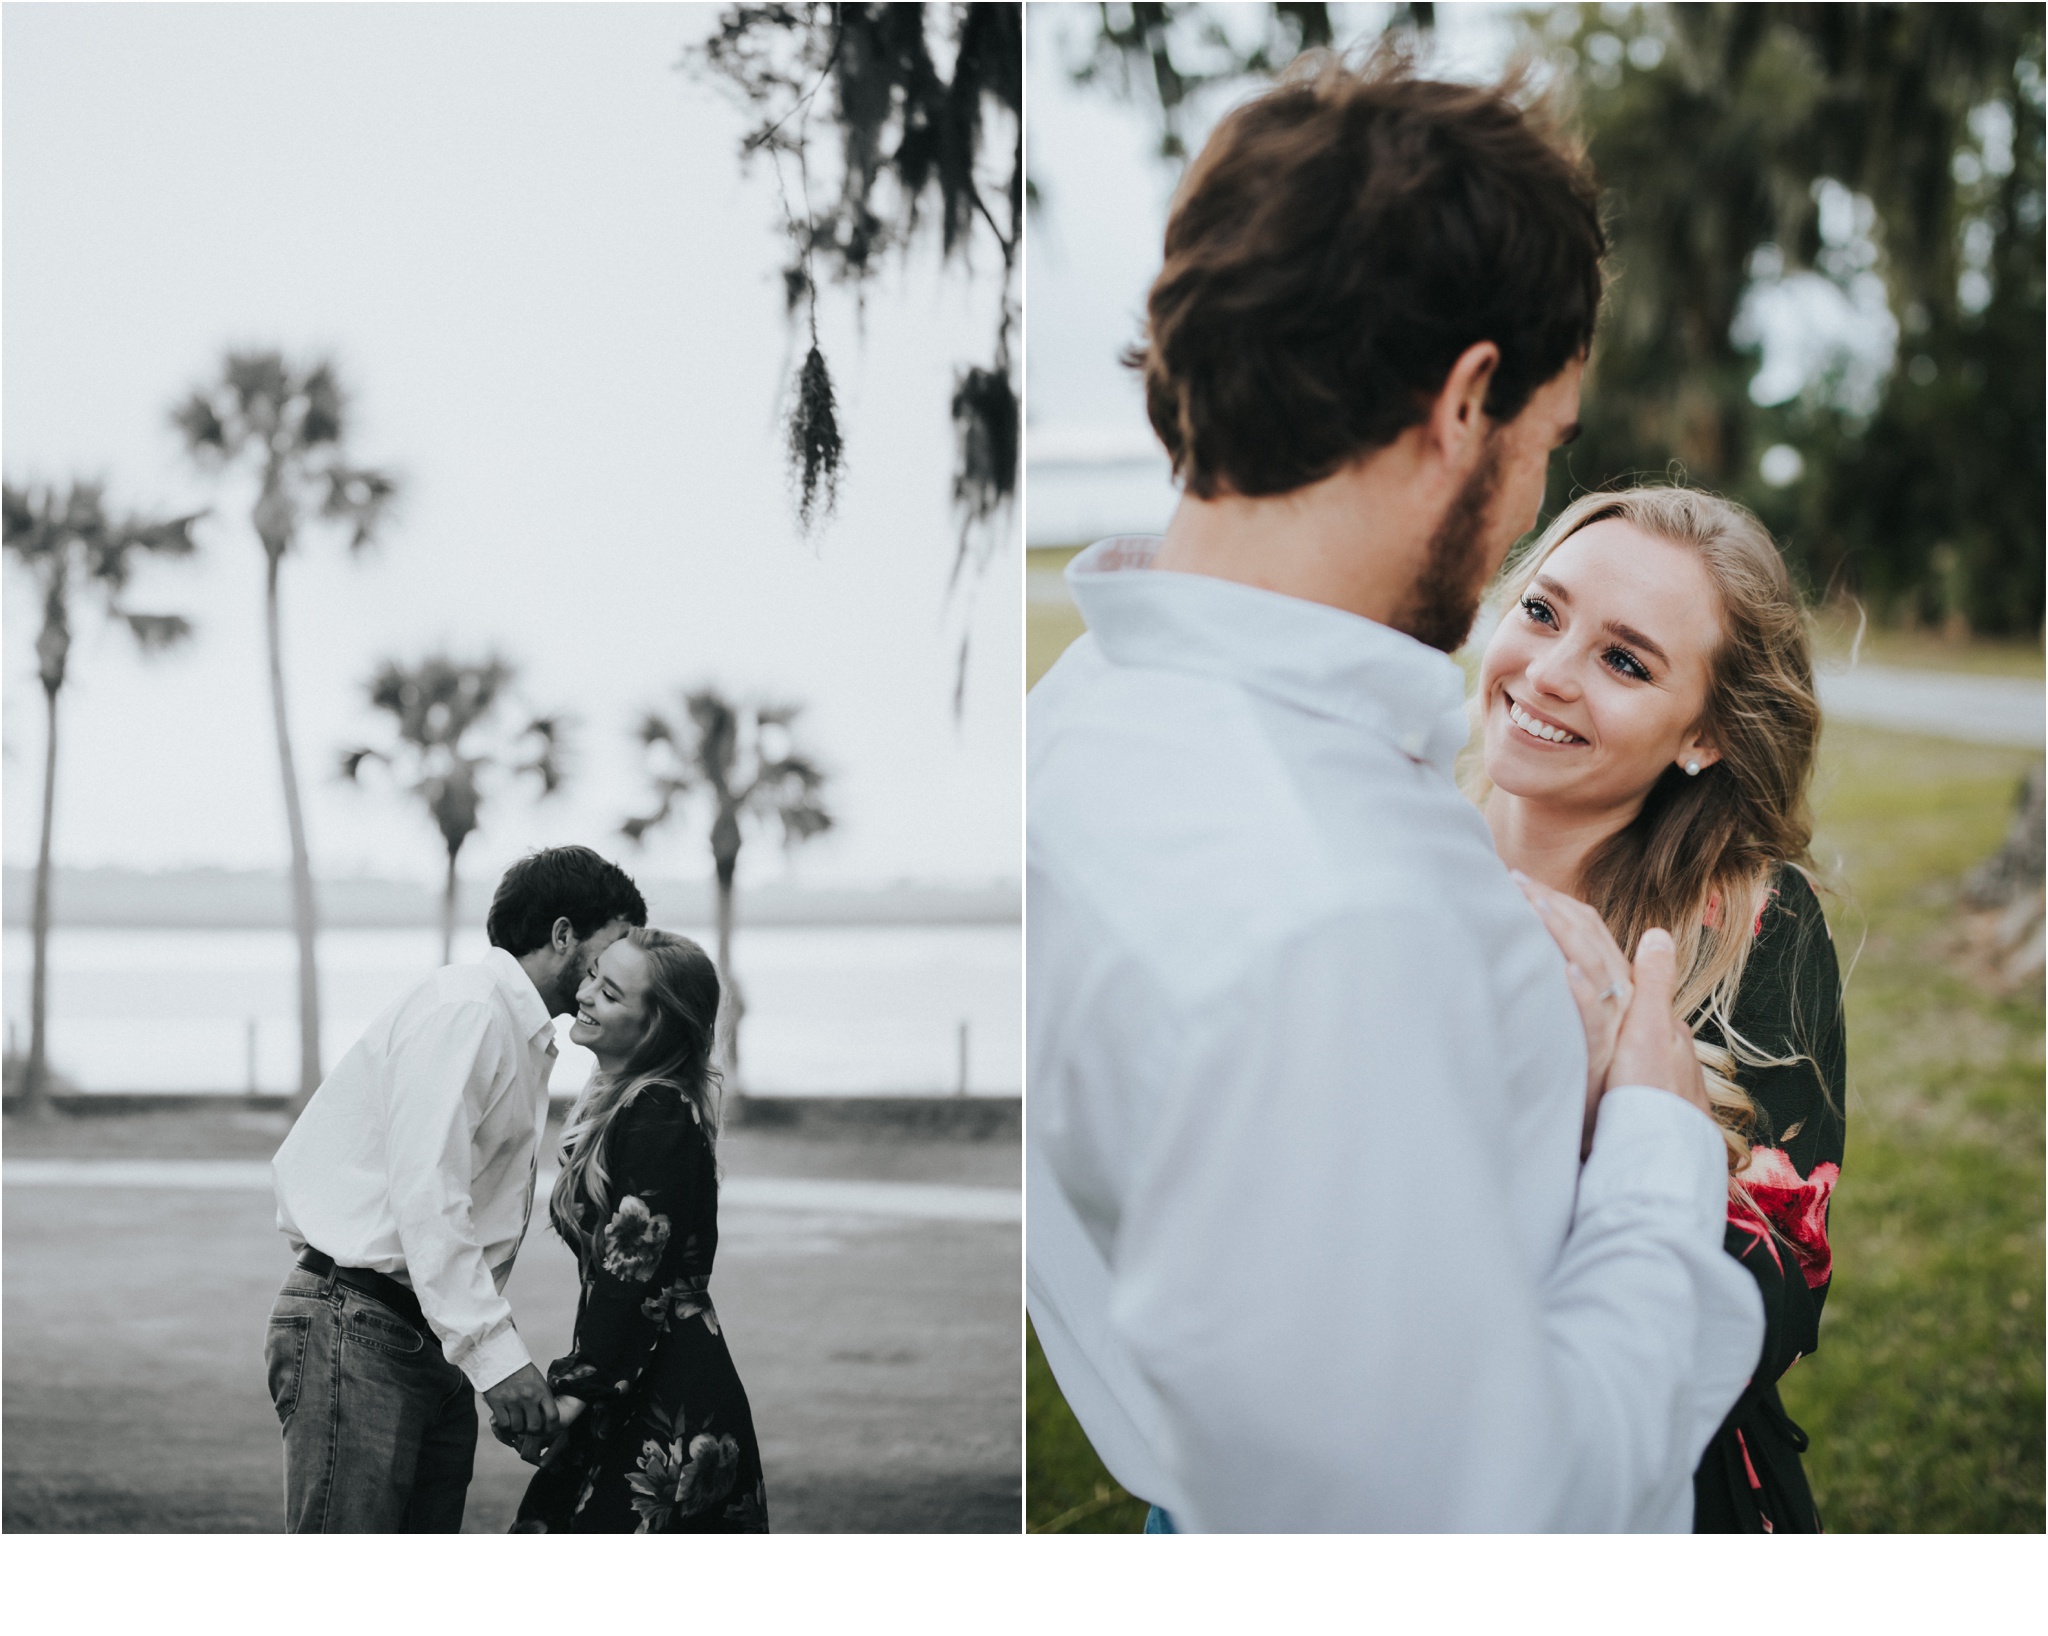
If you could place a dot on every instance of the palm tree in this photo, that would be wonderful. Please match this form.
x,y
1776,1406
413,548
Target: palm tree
x,y
436,704
67,542
288,423
741,758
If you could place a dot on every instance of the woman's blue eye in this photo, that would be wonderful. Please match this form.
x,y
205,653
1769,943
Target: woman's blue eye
x,y
1536,608
1627,663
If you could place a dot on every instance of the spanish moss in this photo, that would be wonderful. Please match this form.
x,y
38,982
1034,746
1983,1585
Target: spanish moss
x,y
816,449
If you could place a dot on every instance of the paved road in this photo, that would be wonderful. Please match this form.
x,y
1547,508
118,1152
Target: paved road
x,y
875,1322
1977,709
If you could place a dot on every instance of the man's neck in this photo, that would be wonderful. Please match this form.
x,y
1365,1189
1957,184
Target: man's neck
x,y
1356,540
543,970
1548,843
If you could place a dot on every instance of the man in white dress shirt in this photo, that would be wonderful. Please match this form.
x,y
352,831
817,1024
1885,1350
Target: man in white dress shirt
x,y
1351,1205
406,1187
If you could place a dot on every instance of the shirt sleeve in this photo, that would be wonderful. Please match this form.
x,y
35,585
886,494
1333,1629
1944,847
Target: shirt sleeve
x,y
652,1266
443,1076
1328,1205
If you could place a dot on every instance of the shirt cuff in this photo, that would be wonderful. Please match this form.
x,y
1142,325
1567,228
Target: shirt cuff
x,y
1651,1145
497,1358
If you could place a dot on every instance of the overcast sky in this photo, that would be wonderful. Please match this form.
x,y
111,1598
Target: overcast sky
x,y
527,241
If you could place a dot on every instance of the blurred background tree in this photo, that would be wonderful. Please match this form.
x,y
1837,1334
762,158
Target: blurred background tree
x,y
744,760
69,543
918,97
1826,280
436,706
288,424
1823,169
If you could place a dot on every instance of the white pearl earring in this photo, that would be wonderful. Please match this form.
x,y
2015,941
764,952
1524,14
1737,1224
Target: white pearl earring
x,y
1692,769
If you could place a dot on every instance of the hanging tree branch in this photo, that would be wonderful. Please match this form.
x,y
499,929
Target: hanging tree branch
x,y
907,134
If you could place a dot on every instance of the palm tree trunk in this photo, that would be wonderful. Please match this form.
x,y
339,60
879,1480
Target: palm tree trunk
x,y
303,914
731,1007
448,914
35,1093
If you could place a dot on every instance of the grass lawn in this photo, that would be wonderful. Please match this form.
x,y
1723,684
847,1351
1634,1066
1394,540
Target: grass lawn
x,y
1924,1400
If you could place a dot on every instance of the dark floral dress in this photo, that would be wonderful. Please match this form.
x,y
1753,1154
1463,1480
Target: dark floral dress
x,y
1750,1479
667,1443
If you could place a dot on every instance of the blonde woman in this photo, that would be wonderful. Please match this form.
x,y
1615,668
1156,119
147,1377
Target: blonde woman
x,y
658,1436
1649,726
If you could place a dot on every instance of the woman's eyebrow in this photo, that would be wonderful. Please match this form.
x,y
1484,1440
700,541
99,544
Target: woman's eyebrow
x,y
1636,638
1613,627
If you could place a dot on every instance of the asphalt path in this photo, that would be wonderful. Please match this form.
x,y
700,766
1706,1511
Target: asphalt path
x,y
873,1317
1944,704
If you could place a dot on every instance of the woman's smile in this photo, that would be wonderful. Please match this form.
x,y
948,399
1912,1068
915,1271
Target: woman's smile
x,y
1540,727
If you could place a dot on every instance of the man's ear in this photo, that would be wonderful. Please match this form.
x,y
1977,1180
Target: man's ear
x,y
562,938
1457,419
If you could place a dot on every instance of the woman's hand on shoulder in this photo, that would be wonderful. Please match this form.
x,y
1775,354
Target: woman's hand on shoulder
x,y
1599,975
1654,1048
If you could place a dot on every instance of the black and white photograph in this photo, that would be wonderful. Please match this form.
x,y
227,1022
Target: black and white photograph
x,y
513,945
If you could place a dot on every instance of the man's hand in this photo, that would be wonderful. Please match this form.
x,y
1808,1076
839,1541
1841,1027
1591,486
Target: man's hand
x,y
1654,1047
522,1406
540,1451
1600,980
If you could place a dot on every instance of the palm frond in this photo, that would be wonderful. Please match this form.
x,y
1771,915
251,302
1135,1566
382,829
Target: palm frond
x,y
155,632
259,383
360,496
547,763
320,420
352,761
170,537
654,729
206,435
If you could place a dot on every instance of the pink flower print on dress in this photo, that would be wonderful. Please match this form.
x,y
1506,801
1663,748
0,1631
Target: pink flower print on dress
x,y
1796,1206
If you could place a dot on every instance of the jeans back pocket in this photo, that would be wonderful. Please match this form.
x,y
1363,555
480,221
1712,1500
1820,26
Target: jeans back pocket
x,y
284,1357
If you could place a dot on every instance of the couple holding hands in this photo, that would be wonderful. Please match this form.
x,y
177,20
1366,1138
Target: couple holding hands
x,y
407,1186
1410,1151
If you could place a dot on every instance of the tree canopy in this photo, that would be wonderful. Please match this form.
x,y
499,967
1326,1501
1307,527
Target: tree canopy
x,y
1866,176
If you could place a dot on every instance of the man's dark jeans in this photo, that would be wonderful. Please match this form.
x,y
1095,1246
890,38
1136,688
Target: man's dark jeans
x,y
379,1428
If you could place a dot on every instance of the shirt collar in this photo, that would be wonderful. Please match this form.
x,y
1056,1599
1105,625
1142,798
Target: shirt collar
x,y
529,1010
1306,654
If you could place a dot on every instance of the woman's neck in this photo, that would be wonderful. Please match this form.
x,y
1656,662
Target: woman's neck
x,y
1550,843
610,1066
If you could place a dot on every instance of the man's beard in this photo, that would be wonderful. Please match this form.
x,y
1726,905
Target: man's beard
x,y
562,1002
1444,600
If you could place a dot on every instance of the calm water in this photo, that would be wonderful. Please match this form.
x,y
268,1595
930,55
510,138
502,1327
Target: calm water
x,y
838,1010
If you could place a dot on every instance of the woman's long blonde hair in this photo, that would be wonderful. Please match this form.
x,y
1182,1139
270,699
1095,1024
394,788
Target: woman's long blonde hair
x,y
682,1008
1699,857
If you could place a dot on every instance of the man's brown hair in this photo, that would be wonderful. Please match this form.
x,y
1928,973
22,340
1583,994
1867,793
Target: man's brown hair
x,y
1338,243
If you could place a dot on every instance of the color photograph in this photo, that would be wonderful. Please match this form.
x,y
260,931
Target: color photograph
x,y
1534,769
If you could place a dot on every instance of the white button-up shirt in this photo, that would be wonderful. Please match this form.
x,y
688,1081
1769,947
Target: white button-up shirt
x,y
417,1155
1309,1242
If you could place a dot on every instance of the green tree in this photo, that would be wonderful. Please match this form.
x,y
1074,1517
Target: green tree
x,y
437,706
743,760
1898,146
288,424
910,136
1745,148
69,543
